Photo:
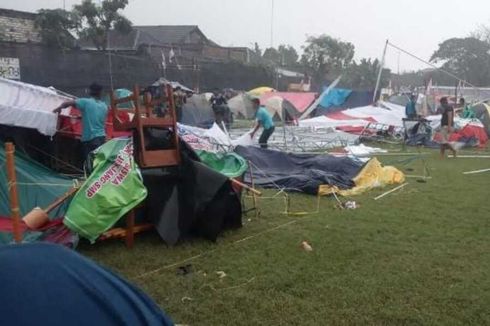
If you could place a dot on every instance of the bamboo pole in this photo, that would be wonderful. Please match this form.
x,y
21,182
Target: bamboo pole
x,y
392,190
14,201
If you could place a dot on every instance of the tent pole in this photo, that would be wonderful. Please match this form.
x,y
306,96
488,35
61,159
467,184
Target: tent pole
x,y
14,201
381,67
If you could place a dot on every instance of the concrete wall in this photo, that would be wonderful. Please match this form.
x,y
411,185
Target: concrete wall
x,y
18,26
71,71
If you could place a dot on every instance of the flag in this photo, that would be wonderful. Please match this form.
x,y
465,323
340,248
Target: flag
x,y
171,55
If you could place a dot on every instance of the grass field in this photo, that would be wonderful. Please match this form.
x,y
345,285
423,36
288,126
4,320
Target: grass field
x,y
419,256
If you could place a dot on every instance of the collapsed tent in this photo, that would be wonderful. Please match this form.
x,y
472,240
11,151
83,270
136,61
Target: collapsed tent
x,y
52,232
482,113
259,91
29,106
37,186
193,200
299,100
213,139
230,164
372,175
387,114
337,99
197,111
298,172
50,285
280,109
334,98
471,134
242,106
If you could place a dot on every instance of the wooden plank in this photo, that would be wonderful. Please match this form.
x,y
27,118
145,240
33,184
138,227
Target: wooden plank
x,y
130,229
14,200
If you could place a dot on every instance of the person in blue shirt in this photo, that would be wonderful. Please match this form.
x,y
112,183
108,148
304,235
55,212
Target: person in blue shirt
x,y
94,115
264,119
410,108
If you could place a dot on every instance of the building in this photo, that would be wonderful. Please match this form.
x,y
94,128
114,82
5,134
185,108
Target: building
x,y
18,26
186,42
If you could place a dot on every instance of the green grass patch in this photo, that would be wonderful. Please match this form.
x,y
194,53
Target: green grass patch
x,y
418,256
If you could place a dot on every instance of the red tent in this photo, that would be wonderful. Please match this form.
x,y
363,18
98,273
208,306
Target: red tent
x,y
301,101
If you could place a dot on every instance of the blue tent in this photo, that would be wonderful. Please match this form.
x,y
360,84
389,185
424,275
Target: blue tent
x,y
46,284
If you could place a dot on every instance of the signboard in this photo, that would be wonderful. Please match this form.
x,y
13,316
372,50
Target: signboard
x,y
10,68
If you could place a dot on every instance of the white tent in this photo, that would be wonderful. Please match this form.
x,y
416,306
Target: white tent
x,y
242,107
29,106
280,108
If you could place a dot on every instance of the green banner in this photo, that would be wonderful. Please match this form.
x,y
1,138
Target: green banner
x,y
114,188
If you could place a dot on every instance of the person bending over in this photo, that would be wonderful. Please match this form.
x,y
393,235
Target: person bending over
x,y
264,119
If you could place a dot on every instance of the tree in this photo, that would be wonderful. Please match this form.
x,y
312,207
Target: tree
x,y
272,55
363,75
257,49
467,58
56,27
95,21
284,55
288,55
482,33
325,55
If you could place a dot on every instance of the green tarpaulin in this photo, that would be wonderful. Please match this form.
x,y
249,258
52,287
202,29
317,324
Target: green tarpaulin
x,y
112,189
230,164
37,186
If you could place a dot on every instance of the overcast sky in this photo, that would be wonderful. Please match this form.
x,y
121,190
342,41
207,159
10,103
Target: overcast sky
x,y
415,25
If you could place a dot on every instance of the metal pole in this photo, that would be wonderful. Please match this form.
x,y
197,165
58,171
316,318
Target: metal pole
x,y
272,24
382,64
14,200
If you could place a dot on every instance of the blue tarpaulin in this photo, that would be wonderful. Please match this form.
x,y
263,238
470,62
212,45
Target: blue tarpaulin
x,y
336,97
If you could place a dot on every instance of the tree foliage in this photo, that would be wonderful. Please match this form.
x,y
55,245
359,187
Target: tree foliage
x,y
55,27
482,33
257,49
86,20
272,55
96,21
363,75
284,55
325,55
468,58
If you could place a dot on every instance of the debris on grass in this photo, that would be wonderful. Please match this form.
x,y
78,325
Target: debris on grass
x,y
350,205
184,299
306,246
221,274
184,270
390,191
